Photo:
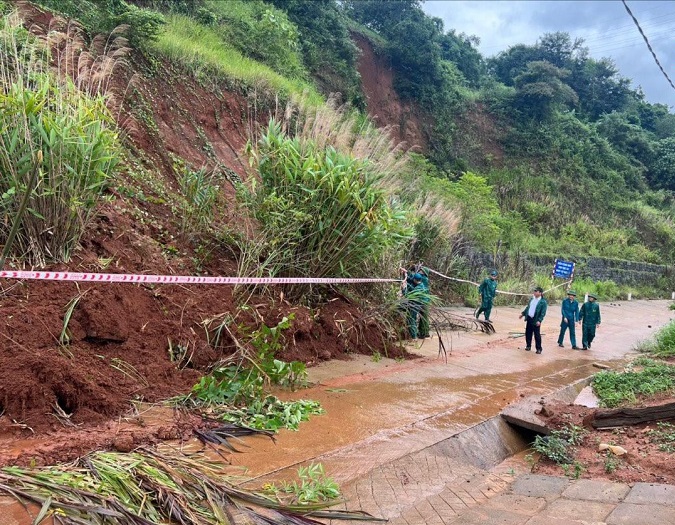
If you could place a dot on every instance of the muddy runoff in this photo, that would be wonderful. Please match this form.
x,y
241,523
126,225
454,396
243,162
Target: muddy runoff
x,y
380,413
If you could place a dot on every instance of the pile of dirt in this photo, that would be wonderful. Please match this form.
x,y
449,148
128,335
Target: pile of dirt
x,y
116,345
644,461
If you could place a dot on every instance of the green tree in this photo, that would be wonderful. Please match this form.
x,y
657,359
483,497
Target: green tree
x,y
328,51
662,170
627,136
381,15
541,88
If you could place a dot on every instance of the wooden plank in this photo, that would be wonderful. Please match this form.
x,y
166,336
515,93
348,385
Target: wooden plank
x,y
620,417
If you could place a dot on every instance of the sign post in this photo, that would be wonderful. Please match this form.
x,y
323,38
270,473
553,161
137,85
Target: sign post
x,y
563,269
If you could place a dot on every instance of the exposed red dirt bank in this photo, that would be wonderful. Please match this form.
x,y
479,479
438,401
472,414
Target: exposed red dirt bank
x,y
383,103
643,462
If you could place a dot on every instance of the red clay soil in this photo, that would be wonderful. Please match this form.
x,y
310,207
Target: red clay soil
x,y
644,462
384,105
119,337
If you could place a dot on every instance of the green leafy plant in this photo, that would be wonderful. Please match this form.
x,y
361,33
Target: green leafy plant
x,y
376,357
611,462
664,436
313,486
573,470
236,392
559,448
161,486
614,388
200,194
321,212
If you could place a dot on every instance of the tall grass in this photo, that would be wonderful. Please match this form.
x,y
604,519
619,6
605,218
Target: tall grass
x,y
320,212
663,343
57,142
203,52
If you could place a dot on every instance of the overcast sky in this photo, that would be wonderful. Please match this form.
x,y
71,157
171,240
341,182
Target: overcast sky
x,y
605,26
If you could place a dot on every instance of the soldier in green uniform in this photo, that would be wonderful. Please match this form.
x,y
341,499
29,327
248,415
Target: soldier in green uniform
x,y
589,315
487,291
424,312
570,315
417,298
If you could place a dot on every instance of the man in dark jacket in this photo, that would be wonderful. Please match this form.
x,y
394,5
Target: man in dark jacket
x,y
589,315
570,315
487,291
534,314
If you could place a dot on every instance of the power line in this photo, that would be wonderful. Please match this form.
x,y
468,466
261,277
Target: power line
x,y
648,44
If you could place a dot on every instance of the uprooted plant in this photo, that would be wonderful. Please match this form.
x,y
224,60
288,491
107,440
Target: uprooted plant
x,y
235,390
313,486
150,487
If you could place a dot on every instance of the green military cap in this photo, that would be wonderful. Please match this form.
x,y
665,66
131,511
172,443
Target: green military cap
x,y
592,296
572,292
493,272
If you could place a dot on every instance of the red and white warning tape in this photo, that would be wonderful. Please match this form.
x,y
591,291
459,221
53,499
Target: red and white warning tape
x,y
180,279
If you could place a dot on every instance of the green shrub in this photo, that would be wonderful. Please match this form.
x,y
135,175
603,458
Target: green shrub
x,y
260,31
143,25
56,142
614,388
663,342
320,211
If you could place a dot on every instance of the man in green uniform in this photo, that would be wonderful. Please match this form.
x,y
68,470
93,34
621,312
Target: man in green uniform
x,y
417,297
570,315
487,291
534,314
589,315
424,312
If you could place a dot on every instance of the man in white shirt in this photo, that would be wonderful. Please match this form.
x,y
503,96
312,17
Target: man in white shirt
x,y
534,314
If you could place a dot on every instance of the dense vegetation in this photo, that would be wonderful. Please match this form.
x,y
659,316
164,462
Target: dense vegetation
x,y
580,164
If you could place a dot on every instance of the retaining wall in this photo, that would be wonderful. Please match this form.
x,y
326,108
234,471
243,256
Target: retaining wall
x,y
596,268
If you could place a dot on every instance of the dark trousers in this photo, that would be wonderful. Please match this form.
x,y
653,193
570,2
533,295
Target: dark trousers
x,y
485,307
531,328
563,328
588,332
424,322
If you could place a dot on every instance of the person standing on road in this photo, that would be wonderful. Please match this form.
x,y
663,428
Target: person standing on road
x,y
417,297
534,314
589,315
423,332
570,315
487,291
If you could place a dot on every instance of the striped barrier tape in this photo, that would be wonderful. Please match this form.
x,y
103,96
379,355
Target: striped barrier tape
x,y
179,279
